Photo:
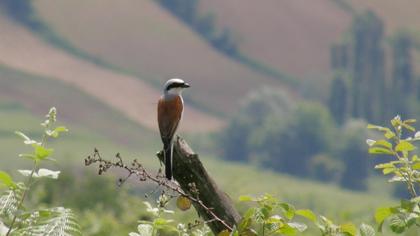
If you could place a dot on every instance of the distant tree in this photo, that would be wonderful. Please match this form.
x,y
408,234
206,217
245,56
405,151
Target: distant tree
x,y
403,76
354,155
290,143
236,139
338,102
325,168
368,67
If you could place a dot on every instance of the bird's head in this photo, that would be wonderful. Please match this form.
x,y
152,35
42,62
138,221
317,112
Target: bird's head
x,y
175,86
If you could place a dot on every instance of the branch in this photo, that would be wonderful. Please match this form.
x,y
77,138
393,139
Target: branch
x,y
213,205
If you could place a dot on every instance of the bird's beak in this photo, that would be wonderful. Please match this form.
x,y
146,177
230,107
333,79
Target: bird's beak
x,y
186,85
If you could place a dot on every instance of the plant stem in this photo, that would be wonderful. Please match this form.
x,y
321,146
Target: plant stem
x,y
25,192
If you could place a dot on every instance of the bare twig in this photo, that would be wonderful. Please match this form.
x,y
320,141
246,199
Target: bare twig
x,y
137,169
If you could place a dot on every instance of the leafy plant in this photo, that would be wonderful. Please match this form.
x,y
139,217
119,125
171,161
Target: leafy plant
x,y
15,218
159,223
271,217
404,167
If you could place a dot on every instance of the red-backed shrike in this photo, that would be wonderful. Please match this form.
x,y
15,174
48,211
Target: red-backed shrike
x,y
170,108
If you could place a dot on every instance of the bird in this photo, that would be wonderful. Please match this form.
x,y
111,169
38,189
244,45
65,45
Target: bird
x,y
169,113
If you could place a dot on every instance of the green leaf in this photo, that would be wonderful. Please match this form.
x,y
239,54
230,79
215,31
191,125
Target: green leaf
x,y
387,171
7,180
416,166
287,230
56,132
408,127
308,214
385,165
389,134
366,230
404,146
26,139
383,143
289,210
380,150
349,228
410,121
397,224
161,221
244,224
42,152
382,213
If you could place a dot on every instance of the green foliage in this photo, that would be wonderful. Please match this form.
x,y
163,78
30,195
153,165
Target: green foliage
x,y
271,217
308,126
240,135
15,218
403,168
353,153
160,223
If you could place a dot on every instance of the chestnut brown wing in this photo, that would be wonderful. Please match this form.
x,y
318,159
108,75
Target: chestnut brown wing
x,y
169,116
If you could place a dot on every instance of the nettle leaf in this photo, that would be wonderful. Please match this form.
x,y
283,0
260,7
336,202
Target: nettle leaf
x,y
366,230
42,173
58,221
382,213
26,139
42,152
404,146
9,202
56,132
48,173
7,180
397,224
289,210
308,214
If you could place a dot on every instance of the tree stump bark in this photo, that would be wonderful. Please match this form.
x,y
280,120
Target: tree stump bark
x,y
194,180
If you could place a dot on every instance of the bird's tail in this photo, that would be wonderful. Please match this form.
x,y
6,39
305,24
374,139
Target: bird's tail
x,y
168,151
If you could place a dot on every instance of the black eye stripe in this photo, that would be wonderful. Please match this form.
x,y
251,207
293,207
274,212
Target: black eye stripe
x,y
174,85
